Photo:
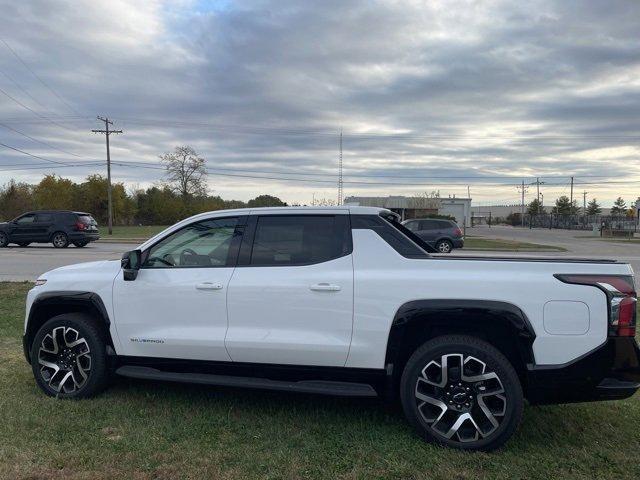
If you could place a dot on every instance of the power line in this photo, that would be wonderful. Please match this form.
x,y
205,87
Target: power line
x,y
32,155
22,89
34,112
39,167
40,141
38,77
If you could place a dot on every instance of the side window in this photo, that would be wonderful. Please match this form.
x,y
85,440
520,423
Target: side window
x,y
201,244
44,218
26,219
413,225
428,225
300,239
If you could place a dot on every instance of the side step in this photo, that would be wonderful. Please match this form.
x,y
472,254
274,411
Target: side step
x,y
323,387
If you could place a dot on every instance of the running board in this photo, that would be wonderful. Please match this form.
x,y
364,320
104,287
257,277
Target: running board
x,y
343,389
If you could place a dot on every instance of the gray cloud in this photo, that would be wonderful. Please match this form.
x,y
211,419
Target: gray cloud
x,y
459,89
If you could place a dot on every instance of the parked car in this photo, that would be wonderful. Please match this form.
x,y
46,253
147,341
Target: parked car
x,y
59,227
341,301
443,235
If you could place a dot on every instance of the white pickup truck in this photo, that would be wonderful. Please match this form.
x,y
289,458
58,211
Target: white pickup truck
x,y
341,301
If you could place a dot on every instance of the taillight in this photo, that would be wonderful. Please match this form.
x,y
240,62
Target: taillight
x,y
80,226
621,299
457,232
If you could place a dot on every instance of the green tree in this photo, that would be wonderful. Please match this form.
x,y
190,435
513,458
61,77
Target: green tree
x,y
535,207
92,198
54,193
186,172
619,208
564,206
15,199
593,208
265,201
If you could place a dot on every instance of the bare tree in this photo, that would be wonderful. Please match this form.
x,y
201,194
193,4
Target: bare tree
x,y
186,173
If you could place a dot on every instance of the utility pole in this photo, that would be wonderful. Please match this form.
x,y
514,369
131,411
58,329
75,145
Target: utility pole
x,y
571,197
584,203
523,188
340,191
108,132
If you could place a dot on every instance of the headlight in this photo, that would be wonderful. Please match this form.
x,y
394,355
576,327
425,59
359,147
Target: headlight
x,y
41,281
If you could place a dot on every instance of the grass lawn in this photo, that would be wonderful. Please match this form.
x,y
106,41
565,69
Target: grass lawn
x,y
611,239
145,430
481,243
130,233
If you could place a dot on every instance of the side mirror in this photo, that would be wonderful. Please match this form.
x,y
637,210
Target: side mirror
x,y
130,264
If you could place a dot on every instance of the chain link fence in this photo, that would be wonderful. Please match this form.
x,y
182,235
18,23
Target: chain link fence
x,y
605,223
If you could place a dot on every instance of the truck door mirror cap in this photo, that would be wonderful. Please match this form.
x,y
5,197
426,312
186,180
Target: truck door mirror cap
x,y
130,264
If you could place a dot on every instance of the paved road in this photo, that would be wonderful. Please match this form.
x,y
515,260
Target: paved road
x,y
584,246
19,264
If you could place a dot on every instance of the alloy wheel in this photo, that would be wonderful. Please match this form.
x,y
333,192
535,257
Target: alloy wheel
x,y
65,360
59,240
459,398
444,247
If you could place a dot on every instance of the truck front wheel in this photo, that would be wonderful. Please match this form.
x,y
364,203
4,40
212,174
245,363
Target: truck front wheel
x,y
68,357
460,391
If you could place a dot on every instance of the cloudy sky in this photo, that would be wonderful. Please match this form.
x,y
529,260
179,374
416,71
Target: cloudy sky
x,y
430,95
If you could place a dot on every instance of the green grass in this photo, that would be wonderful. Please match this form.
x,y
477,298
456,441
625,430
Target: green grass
x,y
146,430
611,239
130,233
481,243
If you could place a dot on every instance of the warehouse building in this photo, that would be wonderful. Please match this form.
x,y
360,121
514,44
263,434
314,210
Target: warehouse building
x,y
419,207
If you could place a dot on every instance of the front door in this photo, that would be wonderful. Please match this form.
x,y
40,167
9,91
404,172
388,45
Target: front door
x,y
290,300
24,229
176,307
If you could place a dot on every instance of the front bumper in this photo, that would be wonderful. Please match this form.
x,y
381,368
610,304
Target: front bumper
x,y
610,372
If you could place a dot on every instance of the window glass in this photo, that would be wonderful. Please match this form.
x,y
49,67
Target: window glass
x,y
413,226
428,225
44,217
201,244
299,239
26,219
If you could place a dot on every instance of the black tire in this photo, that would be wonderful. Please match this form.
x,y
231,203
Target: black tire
x,y
24,244
444,246
87,362
60,240
80,244
4,240
434,411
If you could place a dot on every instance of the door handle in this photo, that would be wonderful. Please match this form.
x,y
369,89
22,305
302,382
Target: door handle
x,y
325,287
209,286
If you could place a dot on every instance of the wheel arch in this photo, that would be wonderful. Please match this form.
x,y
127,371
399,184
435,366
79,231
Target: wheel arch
x,y
499,323
49,304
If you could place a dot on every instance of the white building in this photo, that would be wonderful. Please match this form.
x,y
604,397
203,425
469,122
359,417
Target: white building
x,y
417,207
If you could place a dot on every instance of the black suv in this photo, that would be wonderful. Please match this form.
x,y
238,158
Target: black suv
x,y
443,235
60,227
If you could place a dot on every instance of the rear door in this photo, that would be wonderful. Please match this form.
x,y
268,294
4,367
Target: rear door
x,y
290,300
42,226
428,230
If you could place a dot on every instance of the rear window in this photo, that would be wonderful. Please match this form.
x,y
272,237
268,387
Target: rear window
x,y
399,237
86,219
299,239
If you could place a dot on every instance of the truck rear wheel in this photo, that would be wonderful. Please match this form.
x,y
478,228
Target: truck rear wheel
x,y
68,357
460,391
